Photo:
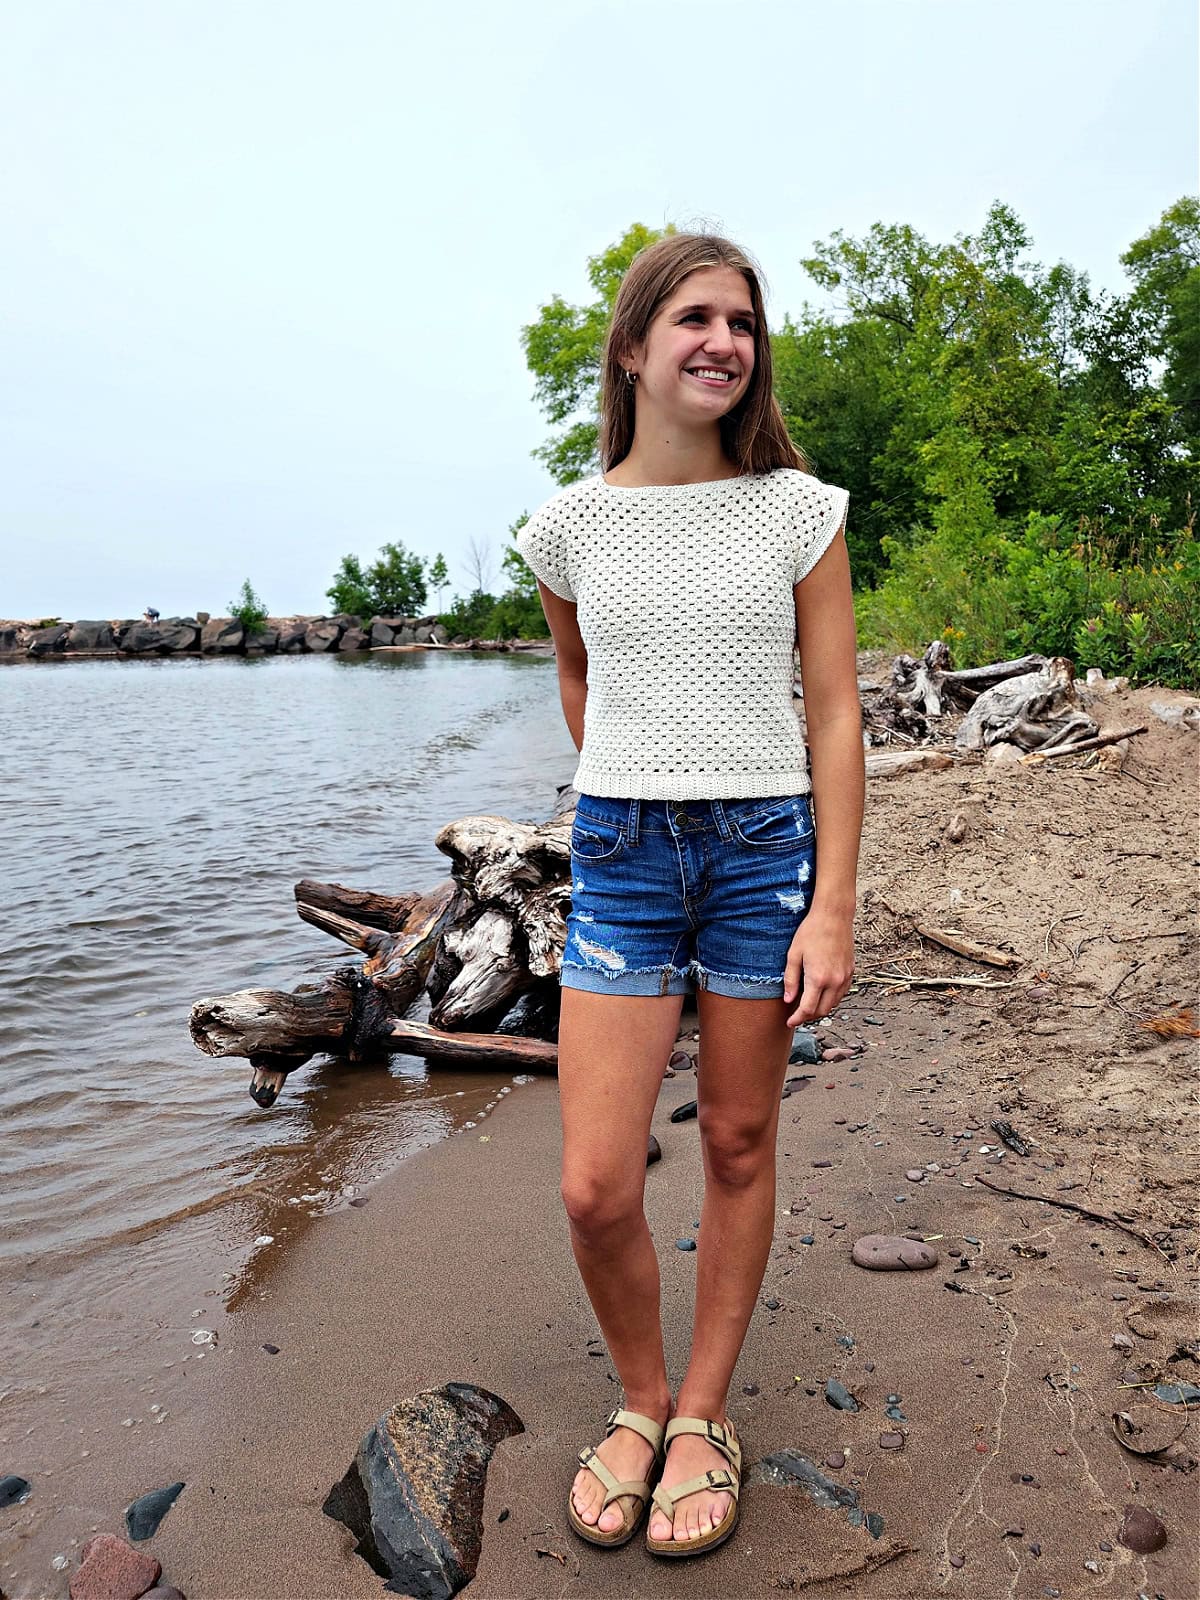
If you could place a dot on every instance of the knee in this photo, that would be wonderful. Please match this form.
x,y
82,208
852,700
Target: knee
x,y
736,1154
598,1204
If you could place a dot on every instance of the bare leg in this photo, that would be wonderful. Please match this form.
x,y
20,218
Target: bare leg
x,y
744,1047
611,1053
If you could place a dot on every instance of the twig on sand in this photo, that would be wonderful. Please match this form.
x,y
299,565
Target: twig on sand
x,y
963,945
901,980
1084,1211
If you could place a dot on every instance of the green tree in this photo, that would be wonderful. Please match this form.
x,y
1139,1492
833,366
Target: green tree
x,y
396,579
439,577
392,586
350,592
248,609
563,350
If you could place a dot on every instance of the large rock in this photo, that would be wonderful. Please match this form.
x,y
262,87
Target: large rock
x,y
413,1496
140,639
291,634
90,636
179,633
382,632
49,641
263,643
323,635
13,637
111,1569
353,639
439,633
222,636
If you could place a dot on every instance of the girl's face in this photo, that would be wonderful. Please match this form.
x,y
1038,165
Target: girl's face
x,y
696,361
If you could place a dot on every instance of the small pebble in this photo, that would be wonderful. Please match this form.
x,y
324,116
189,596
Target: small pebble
x,y
836,1461
772,1304
685,1244
891,1441
914,1175
271,1349
958,1561
750,1388
359,1201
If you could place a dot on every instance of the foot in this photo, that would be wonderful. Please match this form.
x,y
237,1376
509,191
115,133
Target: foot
x,y
628,1457
689,1455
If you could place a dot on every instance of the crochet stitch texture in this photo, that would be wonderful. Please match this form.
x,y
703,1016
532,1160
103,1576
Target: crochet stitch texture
x,y
685,605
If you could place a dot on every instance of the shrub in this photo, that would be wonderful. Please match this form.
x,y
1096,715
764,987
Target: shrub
x,y
248,609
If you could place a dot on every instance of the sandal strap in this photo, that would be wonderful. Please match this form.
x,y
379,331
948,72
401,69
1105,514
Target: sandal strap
x,y
650,1430
719,1435
717,1478
615,1490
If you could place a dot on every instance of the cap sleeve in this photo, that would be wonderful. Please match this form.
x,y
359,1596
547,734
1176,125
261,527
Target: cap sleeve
x,y
542,543
820,512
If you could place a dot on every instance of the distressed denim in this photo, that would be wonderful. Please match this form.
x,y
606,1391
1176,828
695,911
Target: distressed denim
x,y
668,896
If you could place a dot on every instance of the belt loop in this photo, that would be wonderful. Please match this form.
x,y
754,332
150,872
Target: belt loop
x,y
723,827
634,820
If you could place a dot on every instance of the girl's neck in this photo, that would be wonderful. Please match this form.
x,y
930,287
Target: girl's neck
x,y
660,460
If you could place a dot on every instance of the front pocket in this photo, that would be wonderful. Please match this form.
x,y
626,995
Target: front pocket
x,y
778,825
595,840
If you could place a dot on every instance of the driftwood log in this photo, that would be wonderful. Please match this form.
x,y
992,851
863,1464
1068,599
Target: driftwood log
x,y
484,944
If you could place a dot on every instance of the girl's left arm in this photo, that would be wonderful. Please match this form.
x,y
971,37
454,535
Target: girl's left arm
x,y
821,957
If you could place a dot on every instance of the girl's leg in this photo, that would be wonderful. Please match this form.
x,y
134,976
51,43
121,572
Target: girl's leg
x,y
612,1050
744,1046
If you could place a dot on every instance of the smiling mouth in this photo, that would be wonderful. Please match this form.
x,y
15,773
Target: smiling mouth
x,y
710,374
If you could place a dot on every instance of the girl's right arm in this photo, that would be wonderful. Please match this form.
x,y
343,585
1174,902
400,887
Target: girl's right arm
x,y
570,654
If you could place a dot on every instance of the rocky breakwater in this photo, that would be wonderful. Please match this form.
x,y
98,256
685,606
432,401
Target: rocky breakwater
x,y
51,639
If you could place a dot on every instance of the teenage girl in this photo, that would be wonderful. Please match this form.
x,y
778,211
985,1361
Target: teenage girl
x,y
676,583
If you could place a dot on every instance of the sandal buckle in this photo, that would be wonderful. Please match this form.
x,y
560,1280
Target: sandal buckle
x,y
716,1432
718,1478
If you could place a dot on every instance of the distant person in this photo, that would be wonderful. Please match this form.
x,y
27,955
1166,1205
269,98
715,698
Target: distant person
x,y
150,614
676,582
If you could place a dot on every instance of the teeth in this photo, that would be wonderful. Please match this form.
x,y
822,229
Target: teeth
x,y
711,372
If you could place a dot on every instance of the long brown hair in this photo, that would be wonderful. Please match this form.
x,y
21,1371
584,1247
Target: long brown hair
x,y
753,435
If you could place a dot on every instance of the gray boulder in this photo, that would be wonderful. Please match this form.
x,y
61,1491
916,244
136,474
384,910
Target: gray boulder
x,y
179,633
222,636
382,633
90,636
322,635
439,633
353,639
422,633
48,641
12,639
291,631
413,1496
139,639
406,635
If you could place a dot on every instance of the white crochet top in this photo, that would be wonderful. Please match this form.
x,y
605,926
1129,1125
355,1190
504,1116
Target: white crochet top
x,y
685,605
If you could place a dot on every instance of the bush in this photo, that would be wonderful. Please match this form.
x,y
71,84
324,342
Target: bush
x,y
1103,600
248,609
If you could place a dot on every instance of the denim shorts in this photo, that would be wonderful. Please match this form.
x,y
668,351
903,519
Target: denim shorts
x,y
668,896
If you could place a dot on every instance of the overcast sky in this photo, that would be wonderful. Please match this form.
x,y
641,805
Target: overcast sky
x,y
266,262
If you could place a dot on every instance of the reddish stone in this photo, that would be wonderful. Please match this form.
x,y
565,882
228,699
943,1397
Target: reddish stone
x,y
110,1569
163,1591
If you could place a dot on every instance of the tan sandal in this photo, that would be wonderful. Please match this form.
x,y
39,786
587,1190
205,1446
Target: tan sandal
x,y
652,1432
723,1437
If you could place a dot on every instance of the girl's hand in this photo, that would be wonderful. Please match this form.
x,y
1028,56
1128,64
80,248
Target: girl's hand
x,y
822,956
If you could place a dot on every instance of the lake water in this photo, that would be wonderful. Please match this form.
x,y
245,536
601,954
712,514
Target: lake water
x,y
156,816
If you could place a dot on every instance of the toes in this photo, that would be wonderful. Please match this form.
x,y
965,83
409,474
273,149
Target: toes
x,y
660,1528
610,1519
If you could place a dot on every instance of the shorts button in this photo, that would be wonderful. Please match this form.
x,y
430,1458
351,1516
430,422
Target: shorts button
x,y
681,820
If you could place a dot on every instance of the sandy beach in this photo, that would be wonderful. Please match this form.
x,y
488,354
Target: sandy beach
x,y
1009,1480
